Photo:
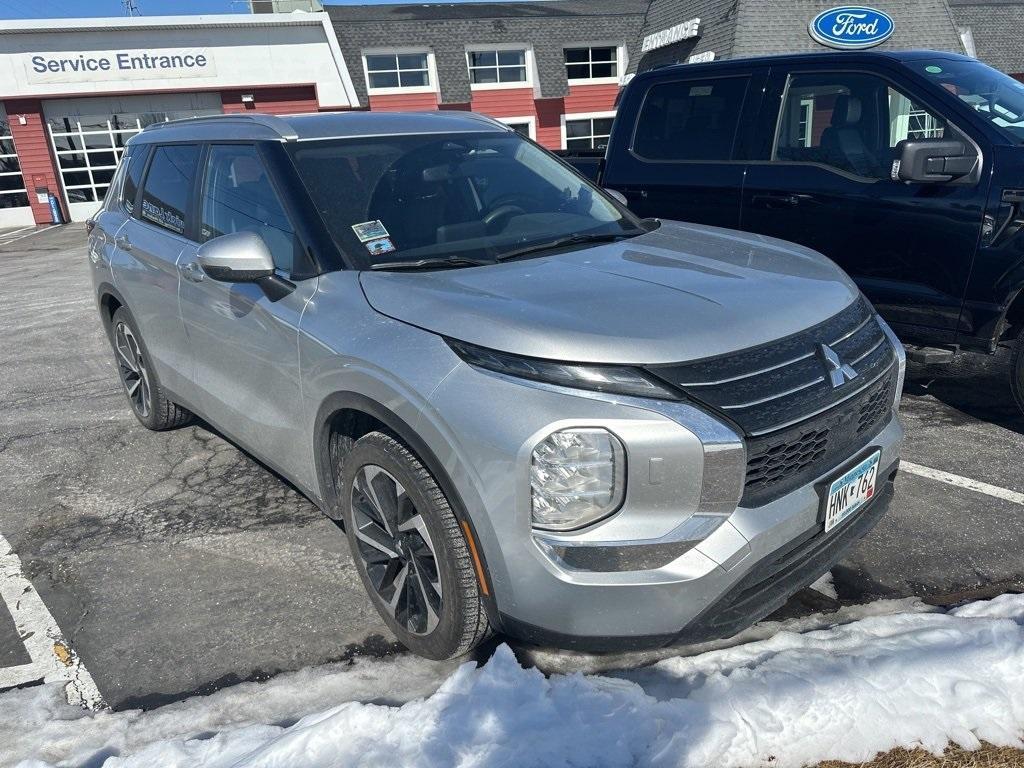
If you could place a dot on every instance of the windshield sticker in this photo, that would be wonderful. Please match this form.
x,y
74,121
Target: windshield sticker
x,y
370,230
380,245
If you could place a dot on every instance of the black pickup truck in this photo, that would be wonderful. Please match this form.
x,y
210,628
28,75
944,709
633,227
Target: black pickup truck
x,y
907,169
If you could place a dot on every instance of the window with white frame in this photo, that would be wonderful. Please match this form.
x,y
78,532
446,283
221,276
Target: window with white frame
x,y
592,62
397,70
12,183
88,147
497,66
587,132
522,125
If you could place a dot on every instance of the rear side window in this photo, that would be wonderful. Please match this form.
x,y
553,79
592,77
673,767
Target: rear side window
x,y
690,120
135,164
168,187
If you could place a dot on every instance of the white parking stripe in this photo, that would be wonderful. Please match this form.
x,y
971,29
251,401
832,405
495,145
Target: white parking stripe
x,y
52,657
963,482
7,239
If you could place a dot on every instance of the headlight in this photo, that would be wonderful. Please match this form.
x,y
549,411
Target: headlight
x,y
577,476
618,379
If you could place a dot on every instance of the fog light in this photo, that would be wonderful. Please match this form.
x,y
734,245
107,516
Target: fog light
x,y
577,476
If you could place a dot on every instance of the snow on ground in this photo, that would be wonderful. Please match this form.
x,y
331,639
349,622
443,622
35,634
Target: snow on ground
x,y
910,678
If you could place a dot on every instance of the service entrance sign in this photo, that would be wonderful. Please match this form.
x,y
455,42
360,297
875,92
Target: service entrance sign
x,y
74,67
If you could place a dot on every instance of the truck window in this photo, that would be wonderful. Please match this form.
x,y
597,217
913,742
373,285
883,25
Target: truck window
x,y
850,122
690,119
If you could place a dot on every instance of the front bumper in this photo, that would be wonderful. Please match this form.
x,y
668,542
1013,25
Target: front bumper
x,y
749,565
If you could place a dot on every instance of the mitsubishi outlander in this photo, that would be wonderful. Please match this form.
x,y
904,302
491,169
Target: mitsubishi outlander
x,y
530,411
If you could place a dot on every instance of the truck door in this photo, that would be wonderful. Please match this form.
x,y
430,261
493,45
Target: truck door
x,y
680,157
828,140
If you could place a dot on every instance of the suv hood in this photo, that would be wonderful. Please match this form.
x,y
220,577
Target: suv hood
x,y
679,293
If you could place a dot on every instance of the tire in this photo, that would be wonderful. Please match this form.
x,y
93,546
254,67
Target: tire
x,y
410,550
146,397
1017,372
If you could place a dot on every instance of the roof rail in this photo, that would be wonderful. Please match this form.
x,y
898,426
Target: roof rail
x,y
271,122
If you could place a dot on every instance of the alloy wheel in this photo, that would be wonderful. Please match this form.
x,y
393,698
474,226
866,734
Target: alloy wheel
x,y
396,550
132,368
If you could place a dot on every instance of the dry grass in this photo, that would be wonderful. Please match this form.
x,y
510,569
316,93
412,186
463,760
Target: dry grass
x,y
954,757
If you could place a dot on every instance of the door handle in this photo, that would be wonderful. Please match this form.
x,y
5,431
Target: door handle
x,y
192,272
123,243
776,200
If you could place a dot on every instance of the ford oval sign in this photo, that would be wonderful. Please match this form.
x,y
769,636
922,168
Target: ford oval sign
x,y
852,27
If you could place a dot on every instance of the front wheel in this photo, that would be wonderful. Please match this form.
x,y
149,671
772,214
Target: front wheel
x,y
409,549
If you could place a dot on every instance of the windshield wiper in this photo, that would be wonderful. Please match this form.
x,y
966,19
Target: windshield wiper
x,y
570,240
442,262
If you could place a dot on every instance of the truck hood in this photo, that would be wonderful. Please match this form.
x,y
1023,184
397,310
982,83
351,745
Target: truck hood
x,y
679,293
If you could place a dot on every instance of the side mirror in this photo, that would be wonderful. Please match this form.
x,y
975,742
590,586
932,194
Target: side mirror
x,y
238,257
243,257
617,195
933,161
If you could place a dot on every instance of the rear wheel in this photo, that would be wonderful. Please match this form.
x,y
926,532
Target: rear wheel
x,y
410,550
141,385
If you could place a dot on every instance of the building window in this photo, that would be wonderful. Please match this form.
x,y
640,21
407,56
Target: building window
x,y
12,183
589,132
522,125
88,148
494,67
592,63
397,70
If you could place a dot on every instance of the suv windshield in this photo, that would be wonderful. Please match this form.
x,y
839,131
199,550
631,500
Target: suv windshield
x,y
463,198
995,96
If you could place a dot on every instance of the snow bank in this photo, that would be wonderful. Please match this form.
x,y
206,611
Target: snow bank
x,y
846,692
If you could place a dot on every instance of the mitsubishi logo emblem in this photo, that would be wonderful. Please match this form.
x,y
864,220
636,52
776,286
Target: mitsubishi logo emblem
x,y
839,372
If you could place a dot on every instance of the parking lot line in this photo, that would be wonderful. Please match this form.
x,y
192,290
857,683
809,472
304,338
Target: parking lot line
x,y
963,482
53,659
7,239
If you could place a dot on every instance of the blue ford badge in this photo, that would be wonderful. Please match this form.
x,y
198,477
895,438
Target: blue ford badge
x,y
851,26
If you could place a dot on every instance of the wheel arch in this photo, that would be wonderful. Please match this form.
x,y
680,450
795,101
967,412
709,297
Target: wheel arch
x,y
109,300
353,414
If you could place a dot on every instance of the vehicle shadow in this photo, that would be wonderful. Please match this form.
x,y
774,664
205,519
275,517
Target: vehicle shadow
x,y
975,386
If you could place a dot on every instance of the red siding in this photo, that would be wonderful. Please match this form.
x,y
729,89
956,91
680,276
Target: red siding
x,y
463,107
549,122
404,102
504,102
33,147
275,101
591,98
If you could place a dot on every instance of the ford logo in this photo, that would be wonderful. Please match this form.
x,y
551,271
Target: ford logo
x,y
852,26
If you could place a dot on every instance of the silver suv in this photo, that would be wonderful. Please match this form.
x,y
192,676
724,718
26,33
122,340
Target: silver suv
x,y
530,411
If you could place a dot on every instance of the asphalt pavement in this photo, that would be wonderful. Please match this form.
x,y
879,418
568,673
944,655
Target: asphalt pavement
x,y
173,563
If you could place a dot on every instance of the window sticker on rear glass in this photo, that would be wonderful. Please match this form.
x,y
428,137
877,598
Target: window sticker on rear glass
x,y
369,230
379,246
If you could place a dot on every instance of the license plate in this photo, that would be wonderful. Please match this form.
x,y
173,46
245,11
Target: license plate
x,y
850,492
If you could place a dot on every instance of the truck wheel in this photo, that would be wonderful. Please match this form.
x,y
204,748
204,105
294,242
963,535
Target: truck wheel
x,y
1017,372
410,550
141,385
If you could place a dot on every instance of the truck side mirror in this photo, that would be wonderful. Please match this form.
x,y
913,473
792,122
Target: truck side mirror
x,y
933,161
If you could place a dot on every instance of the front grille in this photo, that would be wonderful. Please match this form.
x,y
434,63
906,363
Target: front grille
x,y
768,387
783,461
796,423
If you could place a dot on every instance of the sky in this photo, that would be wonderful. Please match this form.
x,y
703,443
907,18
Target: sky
x,y
44,9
